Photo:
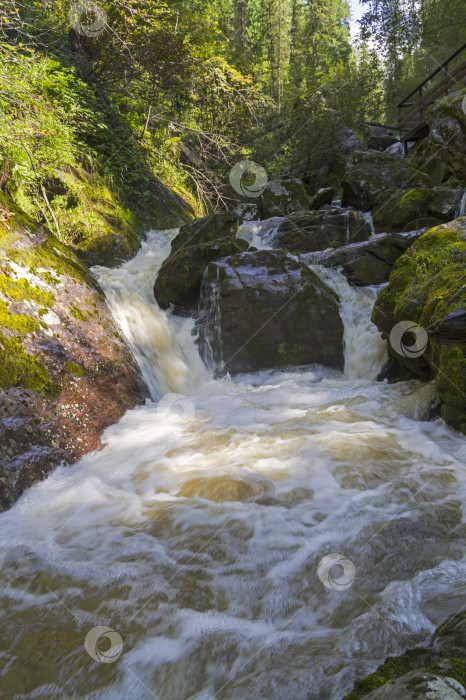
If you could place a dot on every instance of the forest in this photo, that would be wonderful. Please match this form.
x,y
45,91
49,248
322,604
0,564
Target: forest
x,y
233,349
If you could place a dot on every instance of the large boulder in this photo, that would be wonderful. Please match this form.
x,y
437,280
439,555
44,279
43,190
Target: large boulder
x,y
306,232
282,197
426,286
207,229
370,262
267,309
369,174
65,372
179,280
379,138
400,210
447,131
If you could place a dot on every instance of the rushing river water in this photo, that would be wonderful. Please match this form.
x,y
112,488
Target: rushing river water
x,y
202,532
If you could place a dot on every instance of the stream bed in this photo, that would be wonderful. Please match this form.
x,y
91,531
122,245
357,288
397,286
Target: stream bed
x,y
272,535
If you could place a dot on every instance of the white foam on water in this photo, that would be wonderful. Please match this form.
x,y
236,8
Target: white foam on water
x,y
197,535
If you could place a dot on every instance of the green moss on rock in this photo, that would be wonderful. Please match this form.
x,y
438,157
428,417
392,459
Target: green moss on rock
x,y
427,283
18,368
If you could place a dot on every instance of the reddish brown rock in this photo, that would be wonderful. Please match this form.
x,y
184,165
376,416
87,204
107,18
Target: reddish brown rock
x,y
65,372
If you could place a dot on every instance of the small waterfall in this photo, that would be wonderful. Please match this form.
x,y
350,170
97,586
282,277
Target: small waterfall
x,y
260,234
365,351
163,345
462,206
210,324
368,218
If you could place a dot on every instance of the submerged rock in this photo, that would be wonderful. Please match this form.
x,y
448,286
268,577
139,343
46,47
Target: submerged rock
x,y
436,671
207,229
282,197
267,309
370,262
447,134
179,280
400,210
426,286
65,372
306,232
369,174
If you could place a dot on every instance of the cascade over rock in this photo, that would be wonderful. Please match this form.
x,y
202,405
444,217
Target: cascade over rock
x,y
370,173
277,294
282,197
207,229
371,262
306,232
447,133
179,281
405,210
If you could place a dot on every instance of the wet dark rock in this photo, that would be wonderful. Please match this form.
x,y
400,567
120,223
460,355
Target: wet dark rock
x,y
306,232
267,309
207,229
179,280
370,262
282,197
323,196
369,174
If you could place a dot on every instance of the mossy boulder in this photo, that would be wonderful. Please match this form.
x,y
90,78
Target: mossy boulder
x,y
282,197
438,670
428,283
447,131
207,229
370,262
370,173
306,232
58,348
407,210
266,309
178,283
